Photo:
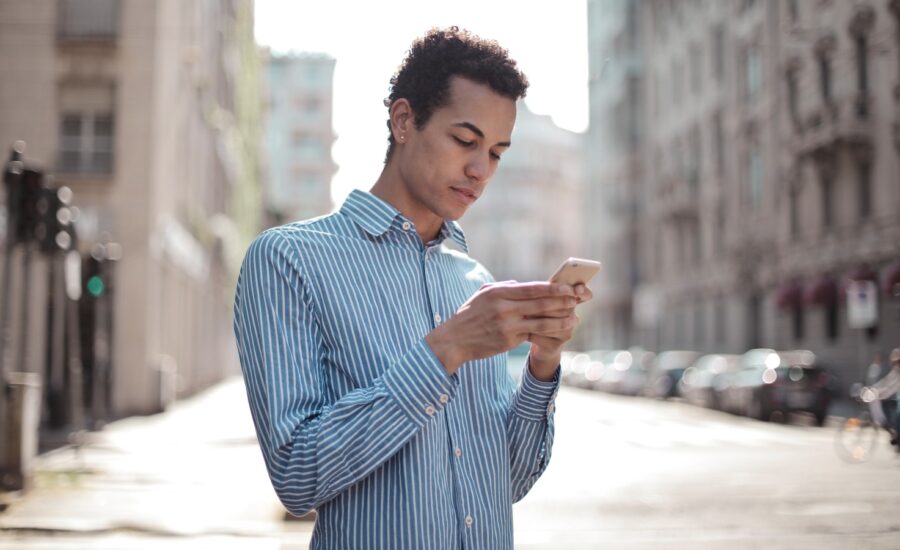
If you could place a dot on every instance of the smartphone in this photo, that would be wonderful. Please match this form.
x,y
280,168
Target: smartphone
x,y
576,270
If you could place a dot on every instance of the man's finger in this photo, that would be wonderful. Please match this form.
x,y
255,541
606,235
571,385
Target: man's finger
x,y
583,293
531,290
555,313
544,325
540,307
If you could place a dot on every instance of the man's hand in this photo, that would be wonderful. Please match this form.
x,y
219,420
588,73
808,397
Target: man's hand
x,y
501,316
546,347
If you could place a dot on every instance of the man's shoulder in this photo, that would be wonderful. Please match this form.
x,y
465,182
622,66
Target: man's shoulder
x,y
293,239
302,231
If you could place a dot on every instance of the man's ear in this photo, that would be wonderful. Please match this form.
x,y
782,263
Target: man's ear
x,y
401,118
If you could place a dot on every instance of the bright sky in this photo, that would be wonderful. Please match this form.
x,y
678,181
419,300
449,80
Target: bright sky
x,y
369,39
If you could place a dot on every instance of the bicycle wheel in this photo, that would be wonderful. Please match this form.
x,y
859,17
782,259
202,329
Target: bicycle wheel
x,y
856,438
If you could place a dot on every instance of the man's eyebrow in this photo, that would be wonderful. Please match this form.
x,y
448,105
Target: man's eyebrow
x,y
478,132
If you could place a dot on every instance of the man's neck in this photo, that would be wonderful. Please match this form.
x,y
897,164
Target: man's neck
x,y
390,188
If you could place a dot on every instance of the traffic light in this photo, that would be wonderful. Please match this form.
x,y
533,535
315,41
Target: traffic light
x,y
12,180
26,213
54,230
94,282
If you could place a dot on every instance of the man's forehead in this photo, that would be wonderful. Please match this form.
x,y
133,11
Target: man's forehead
x,y
473,104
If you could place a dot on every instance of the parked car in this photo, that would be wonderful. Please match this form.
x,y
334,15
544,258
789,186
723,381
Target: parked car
x,y
666,373
622,371
773,384
581,369
700,381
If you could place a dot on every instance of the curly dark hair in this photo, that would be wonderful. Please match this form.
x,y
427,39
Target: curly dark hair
x,y
423,78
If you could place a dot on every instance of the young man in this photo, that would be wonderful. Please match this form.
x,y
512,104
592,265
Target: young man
x,y
373,353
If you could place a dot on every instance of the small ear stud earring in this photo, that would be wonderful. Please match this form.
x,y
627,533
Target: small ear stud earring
x,y
402,138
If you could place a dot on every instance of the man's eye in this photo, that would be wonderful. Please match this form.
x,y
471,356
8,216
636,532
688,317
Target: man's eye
x,y
495,156
462,141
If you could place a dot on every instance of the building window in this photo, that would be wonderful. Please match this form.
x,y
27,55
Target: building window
x,y
752,73
825,77
793,210
719,144
719,53
832,321
720,231
696,66
793,11
865,189
793,105
755,175
862,63
87,19
721,329
677,82
86,143
754,321
699,329
827,191
862,75
798,323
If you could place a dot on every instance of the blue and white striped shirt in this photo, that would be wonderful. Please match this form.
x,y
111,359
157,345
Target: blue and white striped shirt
x,y
355,415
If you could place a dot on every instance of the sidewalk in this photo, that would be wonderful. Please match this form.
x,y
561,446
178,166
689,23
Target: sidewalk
x,y
192,477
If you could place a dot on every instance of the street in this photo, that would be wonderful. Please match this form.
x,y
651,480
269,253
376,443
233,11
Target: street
x,y
625,473
636,473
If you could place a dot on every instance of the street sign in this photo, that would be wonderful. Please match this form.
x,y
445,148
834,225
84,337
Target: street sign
x,y
862,304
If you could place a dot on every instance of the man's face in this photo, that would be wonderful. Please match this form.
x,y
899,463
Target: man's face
x,y
448,163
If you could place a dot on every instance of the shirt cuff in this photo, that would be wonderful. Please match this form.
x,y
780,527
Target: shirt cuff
x,y
535,398
420,384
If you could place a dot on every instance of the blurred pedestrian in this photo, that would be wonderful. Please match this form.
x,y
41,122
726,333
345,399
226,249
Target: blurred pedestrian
x,y
887,390
373,353
874,371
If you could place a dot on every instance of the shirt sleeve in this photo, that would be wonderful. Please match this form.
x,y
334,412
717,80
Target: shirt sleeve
x,y
530,429
314,448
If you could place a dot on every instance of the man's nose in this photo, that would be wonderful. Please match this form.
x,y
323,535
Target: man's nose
x,y
479,167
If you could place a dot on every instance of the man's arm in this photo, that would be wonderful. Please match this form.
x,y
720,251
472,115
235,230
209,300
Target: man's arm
x,y
315,449
504,315
530,429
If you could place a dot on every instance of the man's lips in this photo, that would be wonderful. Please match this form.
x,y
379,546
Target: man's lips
x,y
466,195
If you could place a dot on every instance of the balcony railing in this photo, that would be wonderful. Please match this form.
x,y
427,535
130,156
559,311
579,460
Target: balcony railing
x,y
847,122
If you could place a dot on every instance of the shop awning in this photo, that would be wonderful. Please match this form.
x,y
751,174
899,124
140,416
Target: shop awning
x,y
862,272
789,295
821,291
892,280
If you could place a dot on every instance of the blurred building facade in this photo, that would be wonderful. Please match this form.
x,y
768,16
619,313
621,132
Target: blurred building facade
x,y
299,136
529,218
613,164
767,174
149,110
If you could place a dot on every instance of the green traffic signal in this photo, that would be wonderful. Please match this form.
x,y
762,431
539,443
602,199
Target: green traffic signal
x,y
95,286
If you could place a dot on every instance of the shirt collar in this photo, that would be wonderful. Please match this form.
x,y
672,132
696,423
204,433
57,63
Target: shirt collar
x,y
376,216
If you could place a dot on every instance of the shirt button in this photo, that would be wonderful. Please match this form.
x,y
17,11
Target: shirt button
x,y
429,410
457,451
469,521
437,317
406,226
444,398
